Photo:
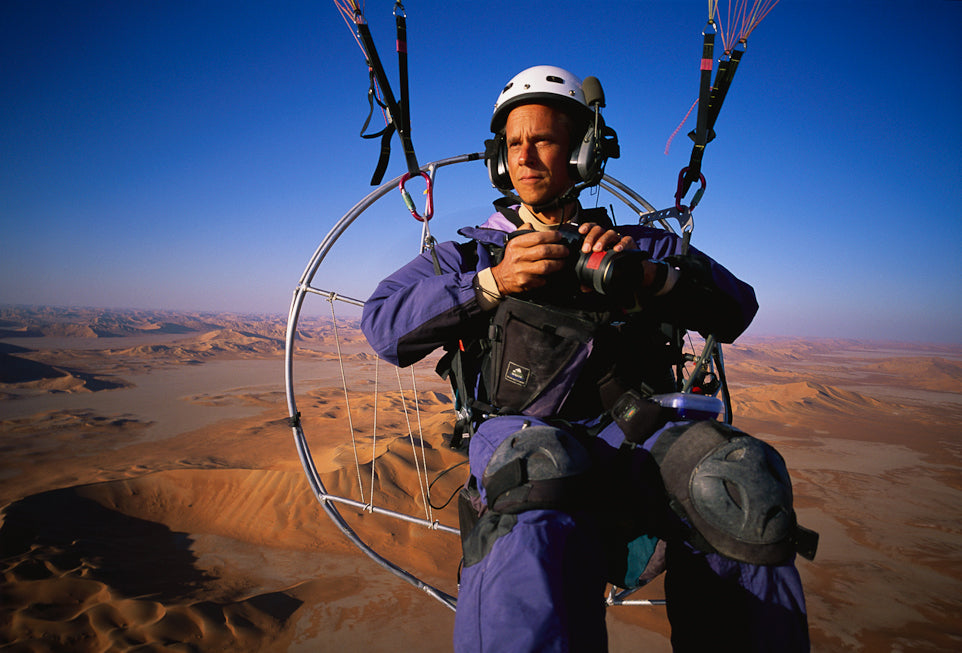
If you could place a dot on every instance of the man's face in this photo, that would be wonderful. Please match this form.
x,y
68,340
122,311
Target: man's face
x,y
537,140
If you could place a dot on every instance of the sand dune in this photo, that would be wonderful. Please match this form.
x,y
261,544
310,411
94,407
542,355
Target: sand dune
x,y
94,323
97,568
19,373
926,372
219,342
210,539
16,369
800,396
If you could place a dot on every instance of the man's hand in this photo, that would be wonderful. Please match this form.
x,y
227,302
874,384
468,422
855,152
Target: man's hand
x,y
530,257
599,239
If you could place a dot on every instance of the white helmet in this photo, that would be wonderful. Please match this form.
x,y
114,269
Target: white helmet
x,y
548,84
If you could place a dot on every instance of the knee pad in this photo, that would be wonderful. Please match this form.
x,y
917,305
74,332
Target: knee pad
x,y
539,467
733,493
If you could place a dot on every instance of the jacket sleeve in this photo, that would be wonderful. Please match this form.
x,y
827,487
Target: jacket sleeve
x,y
707,298
416,310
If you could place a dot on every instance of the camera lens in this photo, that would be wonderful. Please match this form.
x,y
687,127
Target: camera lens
x,y
611,273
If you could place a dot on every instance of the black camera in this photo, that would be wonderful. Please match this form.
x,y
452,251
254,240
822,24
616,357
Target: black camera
x,y
612,273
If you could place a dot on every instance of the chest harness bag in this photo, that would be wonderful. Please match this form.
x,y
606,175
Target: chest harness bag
x,y
559,352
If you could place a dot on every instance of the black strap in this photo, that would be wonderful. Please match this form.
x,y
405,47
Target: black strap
x,y
385,134
371,99
451,367
461,364
805,541
404,106
700,134
385,156
504,205
710,100
723,81
396,114
598,215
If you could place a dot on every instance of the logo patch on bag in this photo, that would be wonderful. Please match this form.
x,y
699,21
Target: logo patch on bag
x,y
517,374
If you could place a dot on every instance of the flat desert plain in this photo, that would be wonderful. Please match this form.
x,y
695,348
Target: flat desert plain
x,y
153,498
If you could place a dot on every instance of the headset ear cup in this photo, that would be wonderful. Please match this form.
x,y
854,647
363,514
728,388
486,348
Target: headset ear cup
x,y
496,158
584,164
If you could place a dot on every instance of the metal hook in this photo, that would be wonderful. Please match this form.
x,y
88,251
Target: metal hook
x,y
406,196
679,192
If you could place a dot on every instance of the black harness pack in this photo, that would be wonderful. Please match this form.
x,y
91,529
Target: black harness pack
x,y
554,352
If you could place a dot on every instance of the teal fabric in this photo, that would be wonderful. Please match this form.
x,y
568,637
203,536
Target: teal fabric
x,y
640,551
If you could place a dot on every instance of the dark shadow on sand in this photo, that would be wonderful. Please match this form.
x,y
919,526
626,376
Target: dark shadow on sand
x,y
65,530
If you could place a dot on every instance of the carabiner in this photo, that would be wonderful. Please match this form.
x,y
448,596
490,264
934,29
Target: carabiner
x,y
406,196
679,192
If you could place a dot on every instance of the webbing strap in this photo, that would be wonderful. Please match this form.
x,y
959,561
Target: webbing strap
x,y
723,81
397,114
700,134
710,100
404,118
371,99
381,168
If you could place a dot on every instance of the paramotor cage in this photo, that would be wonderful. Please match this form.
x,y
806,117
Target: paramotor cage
x,y
709,361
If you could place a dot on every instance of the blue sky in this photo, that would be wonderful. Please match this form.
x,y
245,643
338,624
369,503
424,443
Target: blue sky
x,y
191,155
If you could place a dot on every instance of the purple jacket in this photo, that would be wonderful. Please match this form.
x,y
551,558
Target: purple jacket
x,y
540,586
414,311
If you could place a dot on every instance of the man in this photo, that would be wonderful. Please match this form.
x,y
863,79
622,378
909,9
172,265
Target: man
x,y
552,320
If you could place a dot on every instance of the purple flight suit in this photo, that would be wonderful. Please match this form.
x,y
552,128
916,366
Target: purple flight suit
x,y
541,585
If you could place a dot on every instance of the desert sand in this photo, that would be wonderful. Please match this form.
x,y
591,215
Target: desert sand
x,y
153,499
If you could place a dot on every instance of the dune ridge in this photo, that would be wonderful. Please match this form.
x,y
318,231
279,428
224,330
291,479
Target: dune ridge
x,y
801,396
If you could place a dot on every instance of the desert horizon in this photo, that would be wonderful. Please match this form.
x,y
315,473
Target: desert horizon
x,y
152,495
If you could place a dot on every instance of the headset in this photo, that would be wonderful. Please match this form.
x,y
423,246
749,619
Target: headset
x,y
589,152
